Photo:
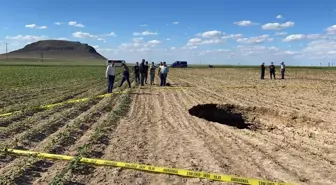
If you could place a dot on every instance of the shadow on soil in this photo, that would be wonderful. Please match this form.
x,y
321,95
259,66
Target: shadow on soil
x,y
223,114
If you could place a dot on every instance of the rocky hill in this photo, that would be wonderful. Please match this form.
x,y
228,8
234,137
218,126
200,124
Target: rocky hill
x,y
56,50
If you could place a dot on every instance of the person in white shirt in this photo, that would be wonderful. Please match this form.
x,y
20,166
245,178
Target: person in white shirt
x,y
283,69
163,72
110,74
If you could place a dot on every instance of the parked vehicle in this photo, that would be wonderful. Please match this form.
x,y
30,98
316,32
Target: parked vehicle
x,y
182,64
118,63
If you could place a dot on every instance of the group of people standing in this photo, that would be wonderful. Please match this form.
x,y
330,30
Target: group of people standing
x,y
272,70
140,72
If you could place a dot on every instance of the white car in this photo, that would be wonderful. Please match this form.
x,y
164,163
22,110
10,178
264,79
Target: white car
x,y
117,63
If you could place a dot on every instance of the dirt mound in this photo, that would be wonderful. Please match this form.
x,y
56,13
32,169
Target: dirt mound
x,y
56,49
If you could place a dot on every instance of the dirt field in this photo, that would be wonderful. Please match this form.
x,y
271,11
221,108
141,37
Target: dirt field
x,y
273,130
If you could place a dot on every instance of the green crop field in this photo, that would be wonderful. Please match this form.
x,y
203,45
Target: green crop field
x,y
24,86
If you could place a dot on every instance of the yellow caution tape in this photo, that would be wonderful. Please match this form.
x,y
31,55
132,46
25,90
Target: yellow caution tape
x,y
67,102
149,168
6,114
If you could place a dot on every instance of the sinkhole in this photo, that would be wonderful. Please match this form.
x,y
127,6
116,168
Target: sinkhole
x,y
226,114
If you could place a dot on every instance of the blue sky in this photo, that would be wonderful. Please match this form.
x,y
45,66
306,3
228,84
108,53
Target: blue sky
x,y
213,32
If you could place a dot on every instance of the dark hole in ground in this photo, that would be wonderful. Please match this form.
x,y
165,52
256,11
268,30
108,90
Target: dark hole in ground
x,y
223,114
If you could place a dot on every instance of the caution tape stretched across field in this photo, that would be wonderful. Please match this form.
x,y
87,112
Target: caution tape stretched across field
x,y
148,168
65,102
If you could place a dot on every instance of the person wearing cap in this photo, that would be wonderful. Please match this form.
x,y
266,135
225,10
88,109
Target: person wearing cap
x,y
283,69
110,75
272,70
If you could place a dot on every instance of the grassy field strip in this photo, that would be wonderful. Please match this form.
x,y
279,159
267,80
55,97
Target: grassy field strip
x,y
27,124
32,93
27,98
63,138
59,97
58,104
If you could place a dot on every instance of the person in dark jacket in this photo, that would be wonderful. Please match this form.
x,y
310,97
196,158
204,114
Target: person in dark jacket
x,y
272,70
152,73
146,72
142,72
136,70
125,76
263,68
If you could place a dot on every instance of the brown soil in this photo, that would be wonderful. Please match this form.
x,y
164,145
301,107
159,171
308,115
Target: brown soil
x,y
226,121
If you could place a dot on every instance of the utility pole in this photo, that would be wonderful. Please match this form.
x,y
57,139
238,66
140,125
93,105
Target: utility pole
x,y
6,50
42,56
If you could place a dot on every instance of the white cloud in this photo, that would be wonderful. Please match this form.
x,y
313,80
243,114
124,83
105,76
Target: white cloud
x,y
58,23
254,40
167,38
172,48
112,34
316,36
96,46
74,23
331,29
189,47
153,42
233,36
280,33
35,26
143,25
245,23
80,34
61,38
194,41
175,22
211,34
293,52
139,46
296,37
145,33
27,38
277,26
139,39
279,16
199,41
320,47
